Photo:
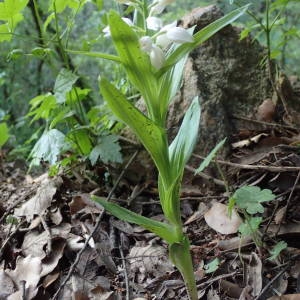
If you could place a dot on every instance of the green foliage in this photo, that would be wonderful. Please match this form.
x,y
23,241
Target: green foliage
x,y
212,266
11,15
108,150
275,251
63,84
4,134
250,226
48,148
251,197
210,156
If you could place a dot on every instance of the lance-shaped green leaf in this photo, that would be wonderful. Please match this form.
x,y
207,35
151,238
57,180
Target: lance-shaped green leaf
x,y
135,61
210,156
151,135
97,55
182,146
163,230
202,35
170,83
169,199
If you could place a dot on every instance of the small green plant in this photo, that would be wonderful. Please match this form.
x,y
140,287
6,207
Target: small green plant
x,y
153,57
249,200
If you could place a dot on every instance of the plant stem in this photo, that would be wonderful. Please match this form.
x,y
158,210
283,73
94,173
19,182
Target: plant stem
x,y
181,257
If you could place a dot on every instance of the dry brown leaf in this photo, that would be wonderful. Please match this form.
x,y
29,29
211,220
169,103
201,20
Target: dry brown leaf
x,y
234,243
247,142
50,262
6,285
218,219
279,215
56,216
40,201
28,269
34,244
266,111
254,270
202,209
230,289
151,259
49,279
212,295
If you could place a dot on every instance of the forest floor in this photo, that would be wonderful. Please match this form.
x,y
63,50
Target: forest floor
x,y
47,251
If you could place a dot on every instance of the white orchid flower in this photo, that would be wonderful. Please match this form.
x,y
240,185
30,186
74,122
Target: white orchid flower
x,y
173,34
154,23
146,44
106,30
157,57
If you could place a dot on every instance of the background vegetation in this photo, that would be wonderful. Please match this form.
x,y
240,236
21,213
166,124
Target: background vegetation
x,y
31,61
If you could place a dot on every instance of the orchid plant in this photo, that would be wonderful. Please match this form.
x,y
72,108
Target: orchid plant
x,y
153,56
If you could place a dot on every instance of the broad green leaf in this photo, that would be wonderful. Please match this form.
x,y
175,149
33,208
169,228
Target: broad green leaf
x,y
163,230
63,84
135,61
210,157
212,266
182,146
277,249
5,34
42,106
4,134
108,150
48,147
63,114
80,140
76,95
203,35
152,136
10,8
250,226
251,197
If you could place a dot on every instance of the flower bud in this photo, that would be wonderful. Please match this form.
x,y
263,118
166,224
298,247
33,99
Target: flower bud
x,y
146,44
179,35
157,57
154,23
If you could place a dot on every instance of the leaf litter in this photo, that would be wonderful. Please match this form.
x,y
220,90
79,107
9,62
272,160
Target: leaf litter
x,y
45,223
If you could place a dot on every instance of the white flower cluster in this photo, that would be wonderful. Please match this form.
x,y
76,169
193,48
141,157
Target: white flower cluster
x,y
165,35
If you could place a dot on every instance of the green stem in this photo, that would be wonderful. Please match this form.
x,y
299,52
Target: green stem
x,y
181,257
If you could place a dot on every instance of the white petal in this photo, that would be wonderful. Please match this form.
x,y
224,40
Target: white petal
x,y
127,21
146,44
169,26
124,2
157,9
163,41
157,57
165,2
179,35
106,31
154,23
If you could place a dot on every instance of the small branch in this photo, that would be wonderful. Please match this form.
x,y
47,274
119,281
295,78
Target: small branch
x,y
254,167
205,176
